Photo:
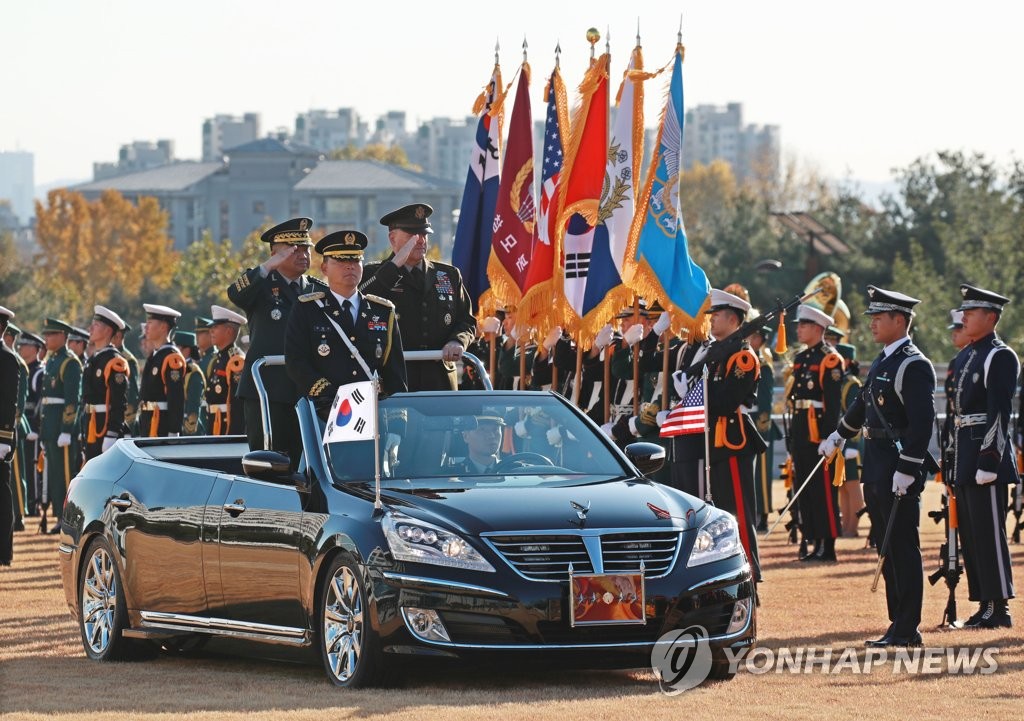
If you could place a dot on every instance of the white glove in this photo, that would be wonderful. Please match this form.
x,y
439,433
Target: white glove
x,y
32,436
490,325
632,426
553,337
604,337
173,435
831,444
514,333
661,325
634,334
984,477
680,382
901,482
850,453
662,415
4,450
554,437
64,440
108,443
606,428
520,429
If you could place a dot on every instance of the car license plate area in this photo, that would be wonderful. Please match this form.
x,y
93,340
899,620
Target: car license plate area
x,y
607,599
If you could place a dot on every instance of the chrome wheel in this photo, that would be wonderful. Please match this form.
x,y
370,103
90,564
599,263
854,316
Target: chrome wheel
x,y
99,602
343,625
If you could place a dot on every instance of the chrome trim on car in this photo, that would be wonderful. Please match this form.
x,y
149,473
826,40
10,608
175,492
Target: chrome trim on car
x,y
403,578
226,627
65,548
736,575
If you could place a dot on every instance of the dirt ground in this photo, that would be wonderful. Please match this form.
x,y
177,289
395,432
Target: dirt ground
x,y
44,672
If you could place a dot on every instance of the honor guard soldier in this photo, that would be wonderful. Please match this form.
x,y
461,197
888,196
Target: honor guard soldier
x,y
895,412
984,382
162,386
31,347
204,342
267,294
60,402
339,335
432,306
104,385
19,487
131,408
815,402
764,466
223,374
733,370
78,342
195,385
9,371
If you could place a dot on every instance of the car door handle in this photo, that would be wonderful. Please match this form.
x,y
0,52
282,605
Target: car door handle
x,y
122,504
235,508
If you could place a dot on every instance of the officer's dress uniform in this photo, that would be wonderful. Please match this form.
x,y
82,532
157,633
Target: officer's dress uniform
x,y
9,370
984,381
894,406
19,463
131,408
104,395
195,388
224,413
815,402
30,416
764,469
60,401
267,301
162,393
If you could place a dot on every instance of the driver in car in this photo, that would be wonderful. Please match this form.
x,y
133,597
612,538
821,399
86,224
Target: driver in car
x,y
482,435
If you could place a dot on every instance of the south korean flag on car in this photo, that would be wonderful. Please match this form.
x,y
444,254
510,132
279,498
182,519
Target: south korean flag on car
x,y
353,414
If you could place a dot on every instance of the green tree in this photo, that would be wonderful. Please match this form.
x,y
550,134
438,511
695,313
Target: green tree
x,y
390,154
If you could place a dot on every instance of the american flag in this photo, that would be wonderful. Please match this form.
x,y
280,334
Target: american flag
x,y
551,167
688,416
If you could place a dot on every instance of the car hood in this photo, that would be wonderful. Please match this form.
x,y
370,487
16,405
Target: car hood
x,y
610,504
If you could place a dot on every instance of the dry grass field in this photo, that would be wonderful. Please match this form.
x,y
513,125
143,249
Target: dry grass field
x,y
45,674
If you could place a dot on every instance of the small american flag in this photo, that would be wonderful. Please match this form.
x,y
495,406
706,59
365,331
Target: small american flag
x,y
688,416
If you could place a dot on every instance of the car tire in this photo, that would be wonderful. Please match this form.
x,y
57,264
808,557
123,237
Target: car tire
x,y
349,646
102,614
720,670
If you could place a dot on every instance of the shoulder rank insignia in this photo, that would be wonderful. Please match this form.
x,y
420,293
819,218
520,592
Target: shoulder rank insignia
x,y
378,299
318,295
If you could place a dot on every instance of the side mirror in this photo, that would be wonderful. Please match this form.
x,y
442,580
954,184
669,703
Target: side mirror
x,y
272,467
647,457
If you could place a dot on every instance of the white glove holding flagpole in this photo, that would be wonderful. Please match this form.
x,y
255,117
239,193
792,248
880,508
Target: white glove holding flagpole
x,y
634,334
64,440
604,337
662,324
553,337
490,325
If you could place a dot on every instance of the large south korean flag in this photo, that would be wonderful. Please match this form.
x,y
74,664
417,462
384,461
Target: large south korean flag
x,y
353,414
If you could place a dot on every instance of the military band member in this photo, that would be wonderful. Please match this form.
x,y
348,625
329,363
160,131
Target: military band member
x,y
104,385
815,402
131,408
9,370
162,386
195,385
319,358
896,413
432,306
733,370
267,294
984,382
60,401
225,415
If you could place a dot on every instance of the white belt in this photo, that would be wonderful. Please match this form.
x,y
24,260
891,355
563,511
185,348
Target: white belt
x,y
97,408
805,403
222,407
153,406
50,400
975,419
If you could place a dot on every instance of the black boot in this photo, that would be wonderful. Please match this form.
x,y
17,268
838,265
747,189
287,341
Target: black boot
x,y
828,550
996,615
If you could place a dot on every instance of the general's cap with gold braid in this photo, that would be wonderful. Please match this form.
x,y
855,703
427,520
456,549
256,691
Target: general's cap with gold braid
x,y
410,218
292,232
342,245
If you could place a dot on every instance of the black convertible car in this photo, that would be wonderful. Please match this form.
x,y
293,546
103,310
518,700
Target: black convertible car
x,y
562,548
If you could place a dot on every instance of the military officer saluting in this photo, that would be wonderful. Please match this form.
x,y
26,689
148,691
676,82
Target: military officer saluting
x,y
340,335
223,373
267,294
432,306
895,410
104,385
162,390
984,381
815,403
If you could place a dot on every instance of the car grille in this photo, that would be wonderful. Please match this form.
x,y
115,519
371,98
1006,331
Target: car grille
x,y
546,557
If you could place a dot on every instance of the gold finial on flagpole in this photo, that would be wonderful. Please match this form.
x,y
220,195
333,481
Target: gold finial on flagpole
x,y
593,35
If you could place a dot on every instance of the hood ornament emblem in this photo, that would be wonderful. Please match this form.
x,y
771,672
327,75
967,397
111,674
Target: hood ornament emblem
x,y
581,513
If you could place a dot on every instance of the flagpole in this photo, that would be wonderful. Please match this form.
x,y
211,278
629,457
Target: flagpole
x,y
491,353
377,505
579,372
522,364
707,440
636,361
607,380
665,338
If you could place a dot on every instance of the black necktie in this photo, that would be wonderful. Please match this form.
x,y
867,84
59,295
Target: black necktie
x,y
294,285
347,322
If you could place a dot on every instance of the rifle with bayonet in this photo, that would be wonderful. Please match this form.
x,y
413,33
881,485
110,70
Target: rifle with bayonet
x,y
950,567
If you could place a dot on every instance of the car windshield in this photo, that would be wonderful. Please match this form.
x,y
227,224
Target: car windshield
x,y
485,437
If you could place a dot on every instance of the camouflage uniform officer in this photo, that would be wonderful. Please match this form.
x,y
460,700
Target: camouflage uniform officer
x,y
433,308
815,402
267,294
195,385
223,370
60,401
9,369
104,385
162,386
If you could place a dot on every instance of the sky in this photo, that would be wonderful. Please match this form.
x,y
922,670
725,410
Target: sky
x,y
858,89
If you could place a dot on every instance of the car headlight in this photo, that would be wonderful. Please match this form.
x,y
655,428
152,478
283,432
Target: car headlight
x,y
717,539
422,542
